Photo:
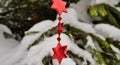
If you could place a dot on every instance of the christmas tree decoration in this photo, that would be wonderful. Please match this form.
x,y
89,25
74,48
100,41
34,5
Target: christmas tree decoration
x,y
59,51
90,36
59,6
59,28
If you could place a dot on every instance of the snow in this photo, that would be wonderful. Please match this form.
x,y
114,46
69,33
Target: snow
x,y
43,26
110,2
118,8
6,44
115,49
19,52
1,10
68,61
81,7
4,28
107,30
65,61
90,42
72,20
7,3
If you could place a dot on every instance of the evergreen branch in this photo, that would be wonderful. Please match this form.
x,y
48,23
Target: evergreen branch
x,y
117,63
41,38
76,57
72,55
110,60
77,33
115,13
114,42
31,33
104,44
107,13
111,18
47,60
100,58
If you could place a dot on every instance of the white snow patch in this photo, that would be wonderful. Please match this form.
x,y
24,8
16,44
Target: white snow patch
x,y
4,28
118,8
115,49
6,44
68,61
81,7
69,18
107,30
43,26
110,2
90,42
65,61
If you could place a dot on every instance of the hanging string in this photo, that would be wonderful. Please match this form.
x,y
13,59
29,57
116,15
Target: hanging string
x,y
59,50
59,28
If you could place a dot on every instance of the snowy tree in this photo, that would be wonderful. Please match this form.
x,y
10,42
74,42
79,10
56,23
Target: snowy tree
x,y
91,32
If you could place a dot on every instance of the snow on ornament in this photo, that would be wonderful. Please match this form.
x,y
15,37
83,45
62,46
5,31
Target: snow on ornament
x,y
59,50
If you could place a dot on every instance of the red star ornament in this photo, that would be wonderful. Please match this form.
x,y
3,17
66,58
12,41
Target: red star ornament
x,y
59,52
59,6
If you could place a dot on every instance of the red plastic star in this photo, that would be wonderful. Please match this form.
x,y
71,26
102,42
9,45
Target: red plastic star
x,y
59,52
59,28
59,6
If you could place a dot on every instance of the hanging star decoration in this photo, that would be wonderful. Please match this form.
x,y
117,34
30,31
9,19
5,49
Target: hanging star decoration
x,y
59,28
59,50
59,6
